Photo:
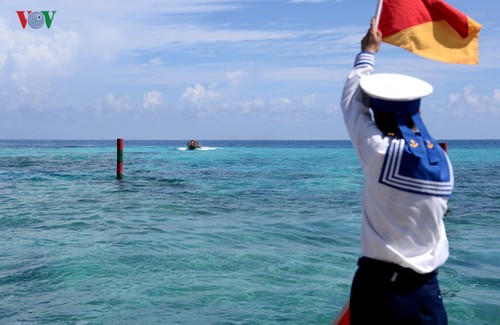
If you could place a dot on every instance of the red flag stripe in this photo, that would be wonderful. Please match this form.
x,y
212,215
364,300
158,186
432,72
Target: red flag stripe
x,y
455,18
393,19
430,28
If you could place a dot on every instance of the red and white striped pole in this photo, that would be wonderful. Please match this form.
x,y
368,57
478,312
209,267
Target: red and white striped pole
x,y
119,158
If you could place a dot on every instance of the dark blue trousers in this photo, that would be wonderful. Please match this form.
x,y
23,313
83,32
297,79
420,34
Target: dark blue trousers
x,y
386,293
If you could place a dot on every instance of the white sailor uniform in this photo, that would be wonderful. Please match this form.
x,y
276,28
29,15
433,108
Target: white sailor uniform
x,y
404,198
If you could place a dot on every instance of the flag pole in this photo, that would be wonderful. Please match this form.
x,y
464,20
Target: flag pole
x,y
378,11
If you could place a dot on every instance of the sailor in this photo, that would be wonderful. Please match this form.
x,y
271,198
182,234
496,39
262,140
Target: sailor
x,y
408,179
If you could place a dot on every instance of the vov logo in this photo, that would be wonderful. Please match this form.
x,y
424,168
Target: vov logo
x,y
36,19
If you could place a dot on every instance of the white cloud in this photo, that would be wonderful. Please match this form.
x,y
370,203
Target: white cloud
x,y
469,101
34,60
454,98
234,77
155,63
331,109
496,96
152,99
250,106
198,96
309,102
49,54
192,34
280,104
111,103
209,101
174,7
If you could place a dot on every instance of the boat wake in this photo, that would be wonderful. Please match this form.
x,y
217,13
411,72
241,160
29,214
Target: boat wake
x,y
199,149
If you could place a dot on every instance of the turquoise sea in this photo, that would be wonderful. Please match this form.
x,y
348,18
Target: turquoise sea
x,y
242,232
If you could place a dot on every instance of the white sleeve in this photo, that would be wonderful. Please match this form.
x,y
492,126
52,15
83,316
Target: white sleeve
x,y
362,130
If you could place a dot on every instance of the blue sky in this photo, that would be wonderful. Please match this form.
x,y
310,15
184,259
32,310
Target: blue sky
x,y
219,69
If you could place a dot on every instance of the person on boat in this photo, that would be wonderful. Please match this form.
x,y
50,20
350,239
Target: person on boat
x,y
408,179
193,144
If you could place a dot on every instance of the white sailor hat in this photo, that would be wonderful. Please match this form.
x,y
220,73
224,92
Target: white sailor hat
x,y
401,94
392,92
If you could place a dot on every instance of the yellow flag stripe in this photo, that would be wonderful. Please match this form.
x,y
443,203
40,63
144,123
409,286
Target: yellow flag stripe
x,y
438,40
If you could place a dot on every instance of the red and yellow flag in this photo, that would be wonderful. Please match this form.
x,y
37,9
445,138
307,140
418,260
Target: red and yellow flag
x,y
430,28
